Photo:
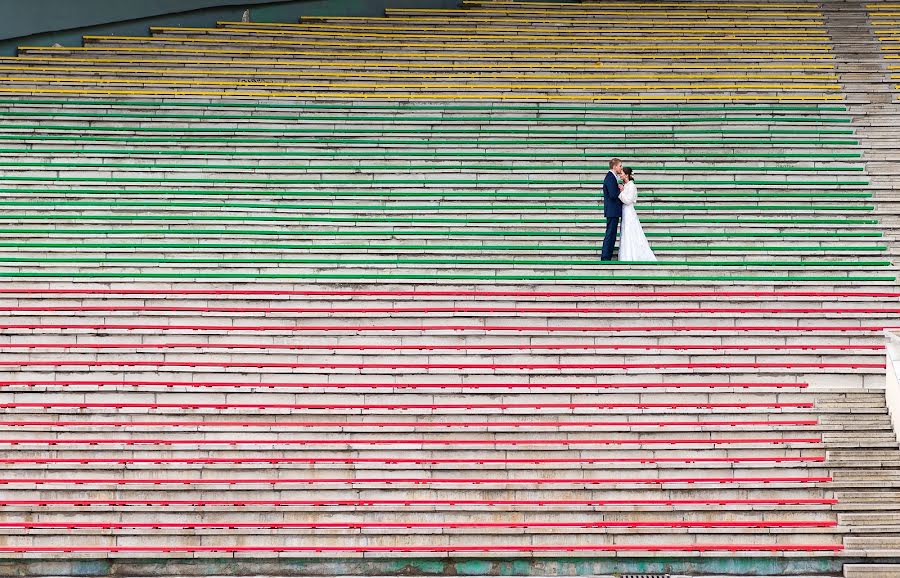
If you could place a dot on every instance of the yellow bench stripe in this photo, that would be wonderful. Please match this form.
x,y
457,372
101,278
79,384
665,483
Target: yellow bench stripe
x,y
416,65
500,47
455,37
464,18
557,31
880,14
822,39
482,35
645,4
815,14
440,75
414,96
603,8
448,86
428,56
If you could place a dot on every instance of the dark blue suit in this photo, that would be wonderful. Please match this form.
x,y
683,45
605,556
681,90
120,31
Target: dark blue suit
x,y
612,210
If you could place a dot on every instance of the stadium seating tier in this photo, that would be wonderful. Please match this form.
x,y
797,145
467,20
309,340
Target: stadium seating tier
x,y
330,291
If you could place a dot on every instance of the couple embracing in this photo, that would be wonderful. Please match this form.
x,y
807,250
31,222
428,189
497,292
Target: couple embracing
x,y
618,205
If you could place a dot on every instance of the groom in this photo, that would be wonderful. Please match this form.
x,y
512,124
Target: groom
x,y
612,208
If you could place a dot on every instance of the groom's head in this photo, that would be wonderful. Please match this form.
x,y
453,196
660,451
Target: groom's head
x,y
615,165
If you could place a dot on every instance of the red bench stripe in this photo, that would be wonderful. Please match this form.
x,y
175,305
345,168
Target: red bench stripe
x,y
444,502
422,328
401,441
725,547
85,405
446,347
421,525
444,293
444,309
320,460
327,365
416,481
101,383
415,424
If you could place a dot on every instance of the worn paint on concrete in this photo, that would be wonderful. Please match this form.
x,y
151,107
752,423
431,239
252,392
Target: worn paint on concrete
x,y
738,566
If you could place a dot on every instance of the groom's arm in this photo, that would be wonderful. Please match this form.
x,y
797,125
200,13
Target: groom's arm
x,y
610,186
614,187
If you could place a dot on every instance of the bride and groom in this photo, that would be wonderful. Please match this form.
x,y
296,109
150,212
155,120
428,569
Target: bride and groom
x,y
618,204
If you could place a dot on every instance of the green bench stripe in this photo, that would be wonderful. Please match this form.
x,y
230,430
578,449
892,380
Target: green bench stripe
x,y
388,247
574,132
713,194
418,154
435,167
427,181
436,261
448,233
430,194
492,207
436,142
335,106
455,277
448,220
439,119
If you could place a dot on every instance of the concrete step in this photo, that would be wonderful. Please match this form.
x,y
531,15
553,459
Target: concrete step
x,y
871,570
848,423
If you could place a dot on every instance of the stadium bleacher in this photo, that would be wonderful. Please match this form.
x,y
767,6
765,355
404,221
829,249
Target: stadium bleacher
x,y
332,288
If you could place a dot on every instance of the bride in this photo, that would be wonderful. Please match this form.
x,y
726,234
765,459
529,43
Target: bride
x,y
634,245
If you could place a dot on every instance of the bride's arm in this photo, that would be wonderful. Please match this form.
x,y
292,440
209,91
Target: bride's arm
x,y
629,194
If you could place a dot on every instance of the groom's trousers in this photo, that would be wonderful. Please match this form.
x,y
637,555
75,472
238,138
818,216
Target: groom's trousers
x,y
609,240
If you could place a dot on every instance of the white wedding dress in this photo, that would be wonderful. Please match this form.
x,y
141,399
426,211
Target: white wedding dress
x,y
633,245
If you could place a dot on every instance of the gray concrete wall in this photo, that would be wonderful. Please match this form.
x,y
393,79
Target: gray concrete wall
x,y
45,22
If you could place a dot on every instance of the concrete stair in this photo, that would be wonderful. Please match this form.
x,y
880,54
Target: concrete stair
x,y
324,297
